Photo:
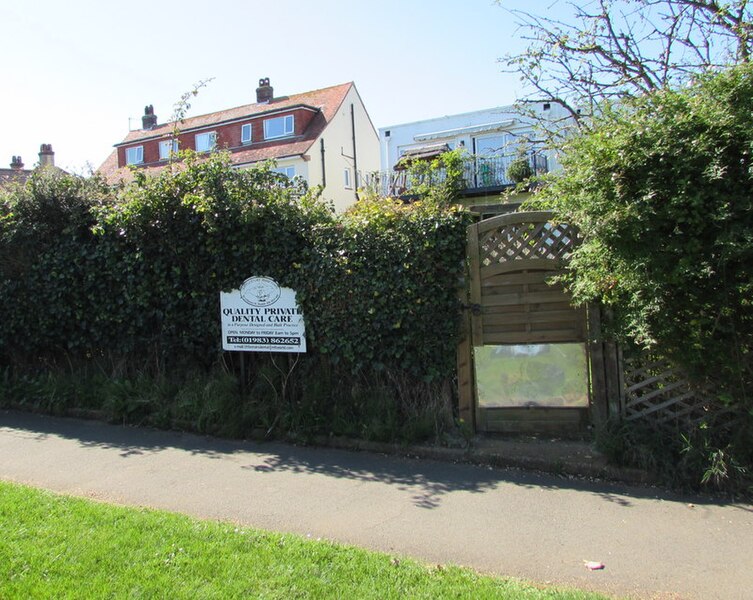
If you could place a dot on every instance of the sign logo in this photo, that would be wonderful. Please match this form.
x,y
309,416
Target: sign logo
x,y
260,291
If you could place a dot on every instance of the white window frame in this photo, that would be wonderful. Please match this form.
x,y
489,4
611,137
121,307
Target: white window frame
x,y
348,179
210,136
167,148
288,127
288,171
246,133
134,155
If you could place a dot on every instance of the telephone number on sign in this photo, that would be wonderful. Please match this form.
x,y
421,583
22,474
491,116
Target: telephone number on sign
x,y
263,340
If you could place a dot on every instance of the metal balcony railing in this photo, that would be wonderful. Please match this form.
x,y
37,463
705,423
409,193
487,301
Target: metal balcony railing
x,y
480,174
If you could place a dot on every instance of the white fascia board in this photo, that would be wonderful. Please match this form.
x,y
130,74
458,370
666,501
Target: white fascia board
x,y
450,133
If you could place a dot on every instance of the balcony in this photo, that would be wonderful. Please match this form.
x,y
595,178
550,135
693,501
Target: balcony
x,y
481,175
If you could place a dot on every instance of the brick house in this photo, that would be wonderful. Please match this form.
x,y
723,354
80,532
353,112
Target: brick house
x,y
324,136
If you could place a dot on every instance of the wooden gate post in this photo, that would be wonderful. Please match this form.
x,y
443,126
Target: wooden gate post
x,y
599,404
466,387
606,370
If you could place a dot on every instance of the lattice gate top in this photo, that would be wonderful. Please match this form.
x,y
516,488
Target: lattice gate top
x,y
512,260
506,240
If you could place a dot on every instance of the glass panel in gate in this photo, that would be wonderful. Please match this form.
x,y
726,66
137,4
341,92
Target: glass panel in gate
x,y
532,375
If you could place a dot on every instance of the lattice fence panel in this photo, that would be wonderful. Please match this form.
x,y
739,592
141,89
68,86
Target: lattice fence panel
x,y
545,241
658,393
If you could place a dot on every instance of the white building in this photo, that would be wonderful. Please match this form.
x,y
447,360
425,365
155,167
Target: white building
x,y
492,139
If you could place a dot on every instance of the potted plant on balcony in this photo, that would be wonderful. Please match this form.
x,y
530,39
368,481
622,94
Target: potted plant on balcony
x,y
519,170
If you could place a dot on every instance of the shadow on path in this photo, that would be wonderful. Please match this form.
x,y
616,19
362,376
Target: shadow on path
x,y
428,480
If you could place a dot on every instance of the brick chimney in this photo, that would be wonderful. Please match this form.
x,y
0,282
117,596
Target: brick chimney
x,y
16,163
265,92
149,120
46,156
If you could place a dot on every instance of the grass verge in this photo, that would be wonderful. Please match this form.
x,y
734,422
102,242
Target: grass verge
x,y
55,546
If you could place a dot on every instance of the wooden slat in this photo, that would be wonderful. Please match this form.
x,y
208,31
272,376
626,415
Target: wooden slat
x,y
465,371
533,337
521,264
516,218
538,276
649,382
520,309
522,298
466,388
543,328
497,290
536,419
652,408
524,413
636,373
475,284
597,372
542,316
658,392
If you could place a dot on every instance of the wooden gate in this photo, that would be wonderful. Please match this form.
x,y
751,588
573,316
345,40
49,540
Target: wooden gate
x,y
517,320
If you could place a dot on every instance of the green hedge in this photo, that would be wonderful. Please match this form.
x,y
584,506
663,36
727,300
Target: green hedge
x,y
125,281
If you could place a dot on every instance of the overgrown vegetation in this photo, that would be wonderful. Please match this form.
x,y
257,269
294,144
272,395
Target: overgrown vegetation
x,y
609,50
662,190
111,302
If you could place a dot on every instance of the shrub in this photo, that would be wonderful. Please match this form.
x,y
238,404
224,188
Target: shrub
x,y
125,282
519,170
662,191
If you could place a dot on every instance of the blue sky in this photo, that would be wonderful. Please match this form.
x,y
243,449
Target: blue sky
x,y
74,72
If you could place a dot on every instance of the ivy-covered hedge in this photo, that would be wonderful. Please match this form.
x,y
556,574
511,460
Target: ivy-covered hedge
x,y
385,288
128,279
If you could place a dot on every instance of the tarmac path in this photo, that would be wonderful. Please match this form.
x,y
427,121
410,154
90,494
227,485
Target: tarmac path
x,y
539,527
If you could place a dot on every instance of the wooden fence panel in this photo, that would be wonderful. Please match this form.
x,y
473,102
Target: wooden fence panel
x,y
657,393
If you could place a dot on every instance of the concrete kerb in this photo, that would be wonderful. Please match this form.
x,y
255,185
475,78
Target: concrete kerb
x,y
502,453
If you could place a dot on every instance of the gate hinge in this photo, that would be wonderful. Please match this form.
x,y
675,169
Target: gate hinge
x,y
474,308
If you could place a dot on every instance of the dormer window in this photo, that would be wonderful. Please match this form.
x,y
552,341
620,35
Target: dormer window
x,y
167,148
278,127
246,133
206,142
135,155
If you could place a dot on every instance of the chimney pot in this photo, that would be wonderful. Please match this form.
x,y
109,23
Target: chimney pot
x,y
265,92
149,120
46,156
16,163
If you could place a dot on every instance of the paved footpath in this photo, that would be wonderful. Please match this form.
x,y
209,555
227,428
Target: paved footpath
x,y
538,527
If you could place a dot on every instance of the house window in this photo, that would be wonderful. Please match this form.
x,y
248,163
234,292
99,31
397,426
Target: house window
x,y
135,155
205,142
289,172
278,127
246,133
493,145
348,179
167,148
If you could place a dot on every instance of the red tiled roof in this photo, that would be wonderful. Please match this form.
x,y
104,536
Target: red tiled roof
x,y
326,100
110,171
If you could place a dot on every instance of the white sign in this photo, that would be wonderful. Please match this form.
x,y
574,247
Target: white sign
x,y
261,317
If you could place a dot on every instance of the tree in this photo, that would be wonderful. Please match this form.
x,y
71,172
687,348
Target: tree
x,y
661,188
621,48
